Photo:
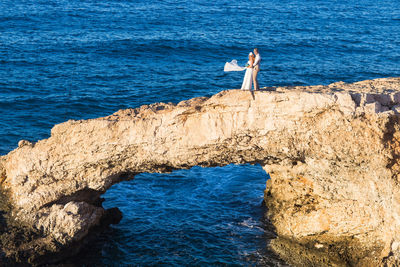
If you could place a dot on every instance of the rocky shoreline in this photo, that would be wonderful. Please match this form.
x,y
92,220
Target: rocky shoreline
x,y
332,153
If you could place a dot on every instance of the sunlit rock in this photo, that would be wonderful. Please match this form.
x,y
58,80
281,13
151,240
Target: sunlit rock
x,y
332,153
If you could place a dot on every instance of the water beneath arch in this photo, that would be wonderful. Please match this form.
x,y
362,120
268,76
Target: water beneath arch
x,y
200,216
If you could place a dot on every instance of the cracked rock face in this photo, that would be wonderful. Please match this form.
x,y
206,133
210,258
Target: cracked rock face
x,y
332,153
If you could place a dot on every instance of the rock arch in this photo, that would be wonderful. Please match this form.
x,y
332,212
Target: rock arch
x,y
331,152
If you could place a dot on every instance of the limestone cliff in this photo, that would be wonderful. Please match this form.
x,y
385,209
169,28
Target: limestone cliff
x,y
332,153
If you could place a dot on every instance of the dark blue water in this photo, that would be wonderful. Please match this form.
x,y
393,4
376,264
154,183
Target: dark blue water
x,y
72,59
210,216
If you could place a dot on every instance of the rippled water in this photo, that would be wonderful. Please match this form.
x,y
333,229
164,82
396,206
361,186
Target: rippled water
x,y
201,216
72,59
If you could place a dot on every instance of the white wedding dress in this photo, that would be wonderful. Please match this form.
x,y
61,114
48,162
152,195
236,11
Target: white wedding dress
x,y
248,79
233,66
248,76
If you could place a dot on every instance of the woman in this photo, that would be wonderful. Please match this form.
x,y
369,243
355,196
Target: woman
x,y
248,76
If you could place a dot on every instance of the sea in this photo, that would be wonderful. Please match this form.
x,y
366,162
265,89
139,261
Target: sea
x,y
70,59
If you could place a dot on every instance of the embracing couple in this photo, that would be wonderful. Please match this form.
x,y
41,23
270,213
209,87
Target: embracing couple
x,y
253,67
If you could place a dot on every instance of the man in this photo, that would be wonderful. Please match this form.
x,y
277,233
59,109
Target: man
x,y
256,69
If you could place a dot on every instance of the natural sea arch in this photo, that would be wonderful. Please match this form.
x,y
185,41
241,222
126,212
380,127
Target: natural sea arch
x,y
331,151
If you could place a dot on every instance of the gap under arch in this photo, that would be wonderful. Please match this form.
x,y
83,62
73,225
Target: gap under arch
x,y
196,216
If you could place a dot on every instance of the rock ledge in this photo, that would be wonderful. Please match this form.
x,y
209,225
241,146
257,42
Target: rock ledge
x,y
332,153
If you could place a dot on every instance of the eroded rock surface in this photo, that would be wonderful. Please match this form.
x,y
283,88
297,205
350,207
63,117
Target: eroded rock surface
x,y
332,153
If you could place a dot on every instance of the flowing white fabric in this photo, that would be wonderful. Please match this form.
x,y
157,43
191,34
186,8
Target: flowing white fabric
x,y
233,66
248,79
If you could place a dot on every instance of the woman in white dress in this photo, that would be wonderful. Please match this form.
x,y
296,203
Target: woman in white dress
x,y
248,76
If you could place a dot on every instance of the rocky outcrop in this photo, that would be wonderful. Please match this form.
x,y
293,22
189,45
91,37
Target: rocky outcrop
x,y
332,153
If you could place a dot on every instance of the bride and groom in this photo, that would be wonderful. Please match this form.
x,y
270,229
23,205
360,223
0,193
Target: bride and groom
x,y
252,68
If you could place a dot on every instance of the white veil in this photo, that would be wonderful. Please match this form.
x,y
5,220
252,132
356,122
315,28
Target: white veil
x,y
233,66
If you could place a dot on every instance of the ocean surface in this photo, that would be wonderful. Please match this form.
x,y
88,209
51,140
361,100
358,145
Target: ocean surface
x,y
69,59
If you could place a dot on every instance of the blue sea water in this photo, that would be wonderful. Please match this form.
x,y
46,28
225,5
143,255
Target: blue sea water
x,y
69,59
